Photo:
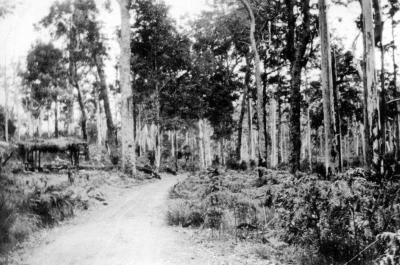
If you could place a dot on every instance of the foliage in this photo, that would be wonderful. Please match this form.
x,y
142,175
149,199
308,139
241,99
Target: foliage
x,y
335,220
162,56
52,207
392,252
6,221
45,75
6,7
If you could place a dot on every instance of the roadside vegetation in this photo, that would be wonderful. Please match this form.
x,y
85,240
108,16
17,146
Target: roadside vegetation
x,y
294,219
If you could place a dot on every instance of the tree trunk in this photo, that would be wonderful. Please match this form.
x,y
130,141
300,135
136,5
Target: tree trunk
x,y
56,119
250,140
245,99
295,52
336,116
128,143
379,27
6,106
295,123
383,103
274,147
201,146
396,93
83,111
331,161
279,139
176,147
371,105
262,152
240,128
222,151
309,137
158,129
103,95
99,139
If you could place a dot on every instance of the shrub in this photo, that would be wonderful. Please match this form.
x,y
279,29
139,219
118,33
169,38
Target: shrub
x,y
52,207
214,217
232,163
243,166
252,164
392,252
7,217
23,226
178,213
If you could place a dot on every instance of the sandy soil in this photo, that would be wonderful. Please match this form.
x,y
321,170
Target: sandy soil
x,y
129,230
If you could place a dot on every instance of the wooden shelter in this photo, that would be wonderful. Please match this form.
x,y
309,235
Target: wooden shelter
x,y
31,151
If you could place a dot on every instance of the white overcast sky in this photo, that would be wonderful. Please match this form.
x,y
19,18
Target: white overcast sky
x,y
17,33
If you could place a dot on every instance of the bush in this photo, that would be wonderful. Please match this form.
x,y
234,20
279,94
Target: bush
x,y
23,226
178,213
392,252
252,164
7,217
339,218
52,207
243,166
232,163
181,213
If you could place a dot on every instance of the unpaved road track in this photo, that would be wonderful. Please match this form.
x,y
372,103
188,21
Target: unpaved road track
x,y
130,230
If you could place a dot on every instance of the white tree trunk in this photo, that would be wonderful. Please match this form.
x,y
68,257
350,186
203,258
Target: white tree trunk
x,y
274,147
371,103
127,138
331,163
262,154
6,105
201,144
250,133
98,123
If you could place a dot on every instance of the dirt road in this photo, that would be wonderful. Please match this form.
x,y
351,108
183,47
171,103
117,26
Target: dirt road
x,y
130,230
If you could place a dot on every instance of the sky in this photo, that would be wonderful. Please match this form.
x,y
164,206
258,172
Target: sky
x,y
17,32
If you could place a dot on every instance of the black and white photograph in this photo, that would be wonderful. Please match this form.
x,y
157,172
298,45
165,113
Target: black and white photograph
x,y
199,132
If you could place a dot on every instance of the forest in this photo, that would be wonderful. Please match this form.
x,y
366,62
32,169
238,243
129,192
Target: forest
x,y
278,122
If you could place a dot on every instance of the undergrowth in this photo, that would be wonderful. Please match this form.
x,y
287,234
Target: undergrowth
x,y
326,222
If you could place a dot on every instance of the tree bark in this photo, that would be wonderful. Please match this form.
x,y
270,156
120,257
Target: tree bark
x,y
331,161
336,116
379,27
240,127
250,140
371,105
274,147
295,52
99,139
56,134
309,137
83,111
103,95
6,106
158,129
397,118
262,152
245,99
128,143
201,145
279,139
